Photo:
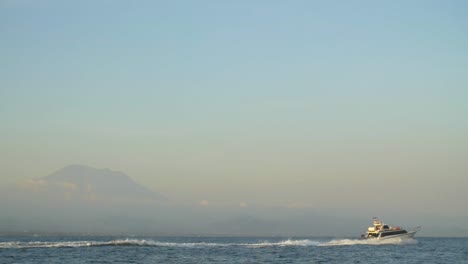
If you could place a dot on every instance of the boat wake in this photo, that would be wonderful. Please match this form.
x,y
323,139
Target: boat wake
x,y
376,242
153,243
284,243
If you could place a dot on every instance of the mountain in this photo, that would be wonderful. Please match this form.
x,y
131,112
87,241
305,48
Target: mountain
x,y
86,200
80,198
87,182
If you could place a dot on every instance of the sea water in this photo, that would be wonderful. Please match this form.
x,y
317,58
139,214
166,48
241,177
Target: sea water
x,y
104,249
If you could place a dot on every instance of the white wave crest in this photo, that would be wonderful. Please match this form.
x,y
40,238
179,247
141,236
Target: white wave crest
x,y
350,242
41,244
151,243
45,244
285,243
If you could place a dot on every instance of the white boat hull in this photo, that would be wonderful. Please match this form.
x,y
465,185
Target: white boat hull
x,y
401,236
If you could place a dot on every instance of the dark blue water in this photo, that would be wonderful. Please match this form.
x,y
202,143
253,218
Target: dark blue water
x,y
229,250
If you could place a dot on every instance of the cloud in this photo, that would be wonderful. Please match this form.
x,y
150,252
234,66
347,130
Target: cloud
x,y
34,185
204,202
243,204
44,185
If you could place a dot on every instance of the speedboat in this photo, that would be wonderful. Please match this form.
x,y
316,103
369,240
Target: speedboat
x,y
383,231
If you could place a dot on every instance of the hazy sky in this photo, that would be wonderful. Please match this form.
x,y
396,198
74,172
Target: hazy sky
x,y
327,104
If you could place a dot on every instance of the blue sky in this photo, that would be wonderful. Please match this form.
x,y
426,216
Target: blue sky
x,y
200,99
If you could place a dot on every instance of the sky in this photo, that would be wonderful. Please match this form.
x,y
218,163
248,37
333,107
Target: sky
x,y
300,104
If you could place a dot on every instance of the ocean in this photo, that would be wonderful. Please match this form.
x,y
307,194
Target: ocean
x,y
105,249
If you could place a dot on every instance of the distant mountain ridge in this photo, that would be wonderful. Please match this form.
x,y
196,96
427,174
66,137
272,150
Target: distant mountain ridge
x,y
102,183
79,199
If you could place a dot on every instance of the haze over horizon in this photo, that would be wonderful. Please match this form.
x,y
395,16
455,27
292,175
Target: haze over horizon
x,y
356,107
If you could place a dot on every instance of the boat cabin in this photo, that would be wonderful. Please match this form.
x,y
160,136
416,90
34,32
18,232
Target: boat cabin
x,y
382,230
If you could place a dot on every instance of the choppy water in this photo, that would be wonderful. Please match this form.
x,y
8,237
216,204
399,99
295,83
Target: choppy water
x,y
230,250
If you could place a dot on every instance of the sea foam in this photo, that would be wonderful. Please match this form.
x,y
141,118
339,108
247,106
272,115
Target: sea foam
x,y
150,243
154,243
350,242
